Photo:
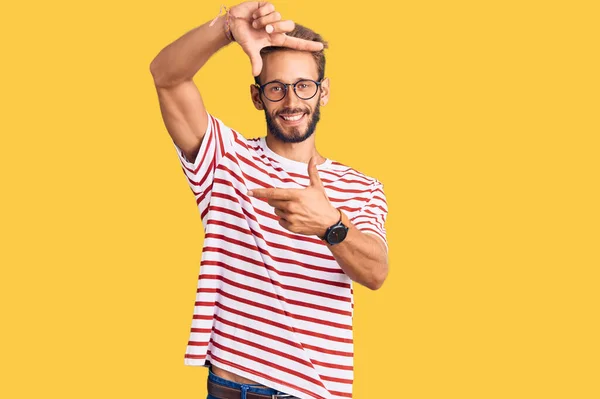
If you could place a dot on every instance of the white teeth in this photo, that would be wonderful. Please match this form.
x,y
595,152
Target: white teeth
x,y
292,118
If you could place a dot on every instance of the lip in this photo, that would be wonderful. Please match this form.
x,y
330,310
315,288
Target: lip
x,y
292,123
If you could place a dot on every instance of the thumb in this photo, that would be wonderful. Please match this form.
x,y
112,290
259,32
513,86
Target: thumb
x,y
313,173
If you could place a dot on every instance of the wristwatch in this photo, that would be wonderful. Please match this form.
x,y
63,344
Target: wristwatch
x,y
336,233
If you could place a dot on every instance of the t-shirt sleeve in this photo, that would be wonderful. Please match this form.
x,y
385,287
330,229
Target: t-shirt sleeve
x,y
371,218
216,143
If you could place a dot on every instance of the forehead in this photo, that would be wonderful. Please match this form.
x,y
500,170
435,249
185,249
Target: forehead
x,y
289,66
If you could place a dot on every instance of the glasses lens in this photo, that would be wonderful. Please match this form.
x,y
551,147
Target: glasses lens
x,y
274,91
306,89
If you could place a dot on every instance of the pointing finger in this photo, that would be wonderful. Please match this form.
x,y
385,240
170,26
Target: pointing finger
x,y
295,43
273,193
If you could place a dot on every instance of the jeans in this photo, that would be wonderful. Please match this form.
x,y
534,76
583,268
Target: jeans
x,y
244,387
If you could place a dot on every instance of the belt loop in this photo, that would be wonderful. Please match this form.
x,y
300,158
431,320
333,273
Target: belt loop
x,y
244,389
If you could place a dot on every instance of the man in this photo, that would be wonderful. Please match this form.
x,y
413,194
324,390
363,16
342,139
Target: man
x,y
287,231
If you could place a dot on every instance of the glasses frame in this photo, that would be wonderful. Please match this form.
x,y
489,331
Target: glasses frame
x,y
261,88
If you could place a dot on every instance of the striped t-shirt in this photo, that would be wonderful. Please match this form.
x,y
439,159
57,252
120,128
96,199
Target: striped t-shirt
x,y
271,305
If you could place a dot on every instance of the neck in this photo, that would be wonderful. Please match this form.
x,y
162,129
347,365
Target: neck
x,y
300,152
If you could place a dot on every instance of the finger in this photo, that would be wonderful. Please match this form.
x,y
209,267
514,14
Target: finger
x,y
285,224
282,26
264,8
266,20
273,193
295,43
279,204
281,214
255,61
313,173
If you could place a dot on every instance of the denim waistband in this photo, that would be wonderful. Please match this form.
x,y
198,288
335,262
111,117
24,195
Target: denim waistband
x,y
254,388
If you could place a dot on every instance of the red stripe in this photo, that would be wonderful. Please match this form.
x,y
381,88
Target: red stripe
x,y
332,366
196,343
225,196
343,394
346,190
204,303
219,137
351,172
347,199
213,290
334,379
376,206
328,351
203,317
190,356
379,198
226,210
201,330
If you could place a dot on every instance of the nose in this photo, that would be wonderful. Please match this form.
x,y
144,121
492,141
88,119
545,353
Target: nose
x,y
291,100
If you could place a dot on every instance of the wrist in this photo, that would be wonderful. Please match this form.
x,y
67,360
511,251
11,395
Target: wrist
x,y
335,215
338,231
228,25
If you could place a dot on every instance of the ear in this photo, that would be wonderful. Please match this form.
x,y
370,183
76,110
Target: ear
x,y
325,91
256,98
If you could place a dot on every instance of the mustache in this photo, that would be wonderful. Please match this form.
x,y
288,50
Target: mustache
x,y
289,111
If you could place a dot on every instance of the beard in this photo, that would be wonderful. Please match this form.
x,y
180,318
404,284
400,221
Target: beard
x,y
294,134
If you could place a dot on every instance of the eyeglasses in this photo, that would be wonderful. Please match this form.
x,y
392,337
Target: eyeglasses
x,y
305,89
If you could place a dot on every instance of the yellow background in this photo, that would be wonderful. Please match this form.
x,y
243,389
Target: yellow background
x,y
481,119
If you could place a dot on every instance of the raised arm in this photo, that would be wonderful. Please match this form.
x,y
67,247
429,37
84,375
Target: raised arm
x,y
253,24
173,69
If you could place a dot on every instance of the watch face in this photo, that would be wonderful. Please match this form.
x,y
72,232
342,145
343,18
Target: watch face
x,y
337,235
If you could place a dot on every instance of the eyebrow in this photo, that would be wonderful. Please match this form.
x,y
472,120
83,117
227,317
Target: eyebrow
x,y
302,78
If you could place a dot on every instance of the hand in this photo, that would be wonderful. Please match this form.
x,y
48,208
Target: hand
x,y
302,210
256,24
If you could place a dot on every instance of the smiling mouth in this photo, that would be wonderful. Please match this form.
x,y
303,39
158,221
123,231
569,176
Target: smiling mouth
x,y
290,118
